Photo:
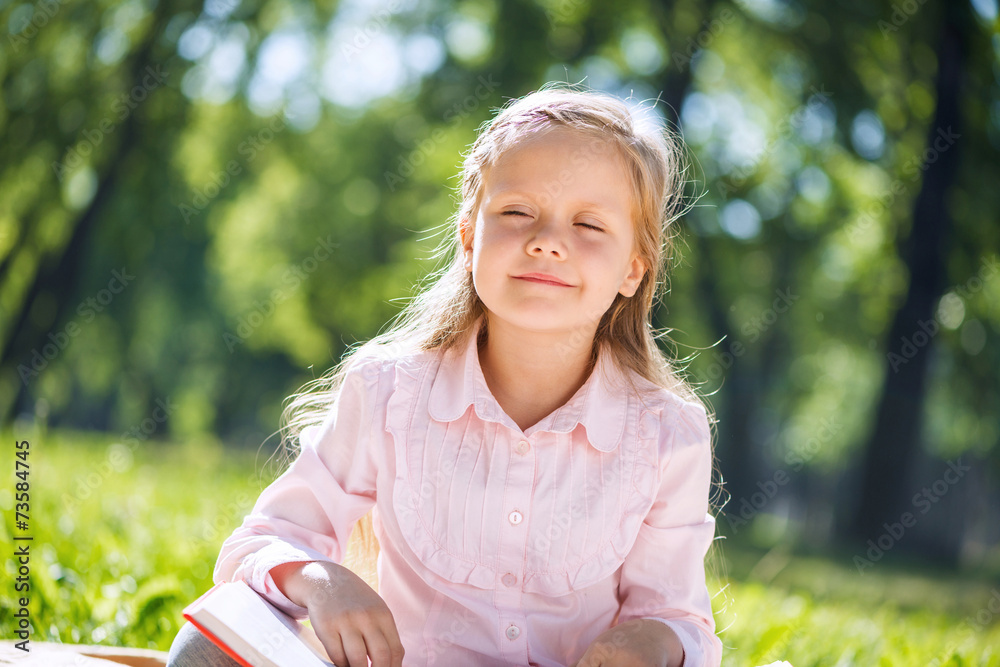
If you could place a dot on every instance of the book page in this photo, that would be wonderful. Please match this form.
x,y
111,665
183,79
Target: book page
x,y
256,630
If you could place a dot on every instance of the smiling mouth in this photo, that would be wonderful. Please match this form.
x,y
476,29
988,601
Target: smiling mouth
x,y
542,281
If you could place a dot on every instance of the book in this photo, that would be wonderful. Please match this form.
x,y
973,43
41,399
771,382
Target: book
x,y
253,631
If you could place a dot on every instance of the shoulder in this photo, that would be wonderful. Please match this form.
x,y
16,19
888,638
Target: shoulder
x,y
675,447
382,367
683,423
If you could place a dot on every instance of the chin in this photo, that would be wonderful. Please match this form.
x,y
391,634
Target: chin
x,y
540,322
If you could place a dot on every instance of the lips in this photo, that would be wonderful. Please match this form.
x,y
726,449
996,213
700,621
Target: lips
x,y
544,279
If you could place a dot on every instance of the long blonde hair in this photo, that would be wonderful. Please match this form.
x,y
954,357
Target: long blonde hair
x,y
441,315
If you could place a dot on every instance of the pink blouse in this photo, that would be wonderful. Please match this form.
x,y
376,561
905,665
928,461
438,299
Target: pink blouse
x,y
497,546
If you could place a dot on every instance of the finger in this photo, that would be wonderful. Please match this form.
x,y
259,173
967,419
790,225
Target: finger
x,y
594,657
354,647
391,635
334,648
378,649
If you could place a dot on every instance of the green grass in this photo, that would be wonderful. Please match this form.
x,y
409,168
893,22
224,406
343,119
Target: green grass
x,y
124,538
814,611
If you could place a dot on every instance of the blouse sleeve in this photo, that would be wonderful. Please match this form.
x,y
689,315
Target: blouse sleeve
x,y
307,514
663,576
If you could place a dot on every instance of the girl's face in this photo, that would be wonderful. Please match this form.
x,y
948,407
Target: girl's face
x,y
558,204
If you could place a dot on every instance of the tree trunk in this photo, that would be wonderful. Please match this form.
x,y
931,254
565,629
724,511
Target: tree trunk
x,y
55,274
895,439
735,405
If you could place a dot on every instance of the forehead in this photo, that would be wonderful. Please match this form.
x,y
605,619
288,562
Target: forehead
x,y
582,146
561,160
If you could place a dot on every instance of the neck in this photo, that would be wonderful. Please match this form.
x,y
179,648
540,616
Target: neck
x,y
532,373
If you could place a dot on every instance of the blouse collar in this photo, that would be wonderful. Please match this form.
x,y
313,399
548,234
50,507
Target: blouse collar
x,y
598,405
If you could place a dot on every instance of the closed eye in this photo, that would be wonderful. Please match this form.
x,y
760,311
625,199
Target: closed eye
x,y
582,224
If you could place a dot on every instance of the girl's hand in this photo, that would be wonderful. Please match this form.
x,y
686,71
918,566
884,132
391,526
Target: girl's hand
x,y
350,619
638,643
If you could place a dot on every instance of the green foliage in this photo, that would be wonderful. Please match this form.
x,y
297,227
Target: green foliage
x,y
216,201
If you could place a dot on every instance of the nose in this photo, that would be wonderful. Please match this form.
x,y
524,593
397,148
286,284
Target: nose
x,y
547,240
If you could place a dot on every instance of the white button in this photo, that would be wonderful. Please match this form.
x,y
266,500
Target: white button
x,y
515,517
509,580
523,447
513,632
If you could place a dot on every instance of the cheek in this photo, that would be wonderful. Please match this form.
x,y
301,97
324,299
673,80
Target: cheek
x,y
604,255
498,242
487,251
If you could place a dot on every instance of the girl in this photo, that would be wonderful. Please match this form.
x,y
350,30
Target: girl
x,y
539,475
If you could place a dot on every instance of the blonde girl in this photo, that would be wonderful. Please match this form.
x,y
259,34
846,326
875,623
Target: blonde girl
x,y
537,471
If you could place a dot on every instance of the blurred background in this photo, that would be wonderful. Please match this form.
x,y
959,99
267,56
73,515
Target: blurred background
x,y
203,205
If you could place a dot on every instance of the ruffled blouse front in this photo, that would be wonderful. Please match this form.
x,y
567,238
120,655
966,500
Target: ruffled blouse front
x,y
499,547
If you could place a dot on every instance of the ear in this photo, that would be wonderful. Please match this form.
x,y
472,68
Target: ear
x,y
637,269
466,232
